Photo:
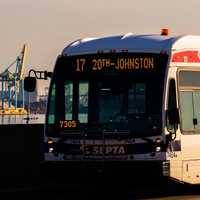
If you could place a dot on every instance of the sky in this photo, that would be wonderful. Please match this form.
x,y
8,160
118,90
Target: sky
x,y
47,26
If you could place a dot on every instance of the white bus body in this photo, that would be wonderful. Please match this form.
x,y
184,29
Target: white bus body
x,y
180,159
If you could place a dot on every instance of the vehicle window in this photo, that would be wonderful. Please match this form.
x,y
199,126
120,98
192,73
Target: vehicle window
x,y
189,79
126,100
68,99
186,103
83,103
51,116
196,101
136,98
189,84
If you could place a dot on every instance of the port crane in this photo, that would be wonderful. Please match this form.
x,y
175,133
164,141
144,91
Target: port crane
x,y
11,84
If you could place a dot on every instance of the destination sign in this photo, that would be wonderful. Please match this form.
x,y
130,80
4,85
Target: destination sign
x,y
118,62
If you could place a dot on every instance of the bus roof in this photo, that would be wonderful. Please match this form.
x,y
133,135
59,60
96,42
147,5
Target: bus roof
x,y
133,43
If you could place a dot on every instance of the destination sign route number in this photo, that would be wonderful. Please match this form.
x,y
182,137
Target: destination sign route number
x,y
121,64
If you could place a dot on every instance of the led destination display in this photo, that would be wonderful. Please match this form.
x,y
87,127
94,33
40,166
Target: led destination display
x,y
130,62
118,64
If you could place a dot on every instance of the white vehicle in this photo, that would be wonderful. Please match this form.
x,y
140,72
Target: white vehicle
x,y
129,101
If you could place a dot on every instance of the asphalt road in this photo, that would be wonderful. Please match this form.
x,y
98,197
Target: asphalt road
x,y
53,187
178,198
59,190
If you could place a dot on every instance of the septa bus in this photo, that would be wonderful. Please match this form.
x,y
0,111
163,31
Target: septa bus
x,y
127,102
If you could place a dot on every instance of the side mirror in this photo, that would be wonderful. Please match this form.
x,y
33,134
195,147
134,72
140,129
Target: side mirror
x,y
173,116
29,84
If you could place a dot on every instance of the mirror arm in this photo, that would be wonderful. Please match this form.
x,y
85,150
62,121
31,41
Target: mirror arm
x,y
40,74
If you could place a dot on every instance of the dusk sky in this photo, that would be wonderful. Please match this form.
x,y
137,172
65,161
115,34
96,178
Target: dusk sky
x,y
47,26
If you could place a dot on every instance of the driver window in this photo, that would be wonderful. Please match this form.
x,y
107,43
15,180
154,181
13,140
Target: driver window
x,y
189,101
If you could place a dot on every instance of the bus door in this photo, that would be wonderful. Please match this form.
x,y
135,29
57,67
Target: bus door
x,y
189,94
87,138
93,142
76,109
84,136
189,89
108,117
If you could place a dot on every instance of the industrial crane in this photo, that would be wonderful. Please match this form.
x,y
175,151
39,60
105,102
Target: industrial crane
x,y
11,84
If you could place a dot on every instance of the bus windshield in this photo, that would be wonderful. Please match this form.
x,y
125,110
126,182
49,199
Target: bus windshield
x,y
118,99
114,102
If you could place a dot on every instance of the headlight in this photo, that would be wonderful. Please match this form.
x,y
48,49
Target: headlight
x,y
158,149
51,150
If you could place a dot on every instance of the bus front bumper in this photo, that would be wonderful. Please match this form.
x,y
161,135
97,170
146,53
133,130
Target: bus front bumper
x,y
137,170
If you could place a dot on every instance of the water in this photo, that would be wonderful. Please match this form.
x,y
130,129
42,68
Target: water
x,y
22,119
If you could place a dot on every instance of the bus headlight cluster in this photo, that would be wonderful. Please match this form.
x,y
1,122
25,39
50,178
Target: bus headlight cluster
x,y
158,149
51,149
158,144
50,143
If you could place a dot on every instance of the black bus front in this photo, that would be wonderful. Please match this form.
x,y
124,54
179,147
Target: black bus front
x,y
105,110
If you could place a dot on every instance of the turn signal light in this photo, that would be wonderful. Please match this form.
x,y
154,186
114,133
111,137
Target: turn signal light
x,y
50,141
158,140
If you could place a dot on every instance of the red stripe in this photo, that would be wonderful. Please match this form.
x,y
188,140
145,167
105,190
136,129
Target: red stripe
x,y
186,57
